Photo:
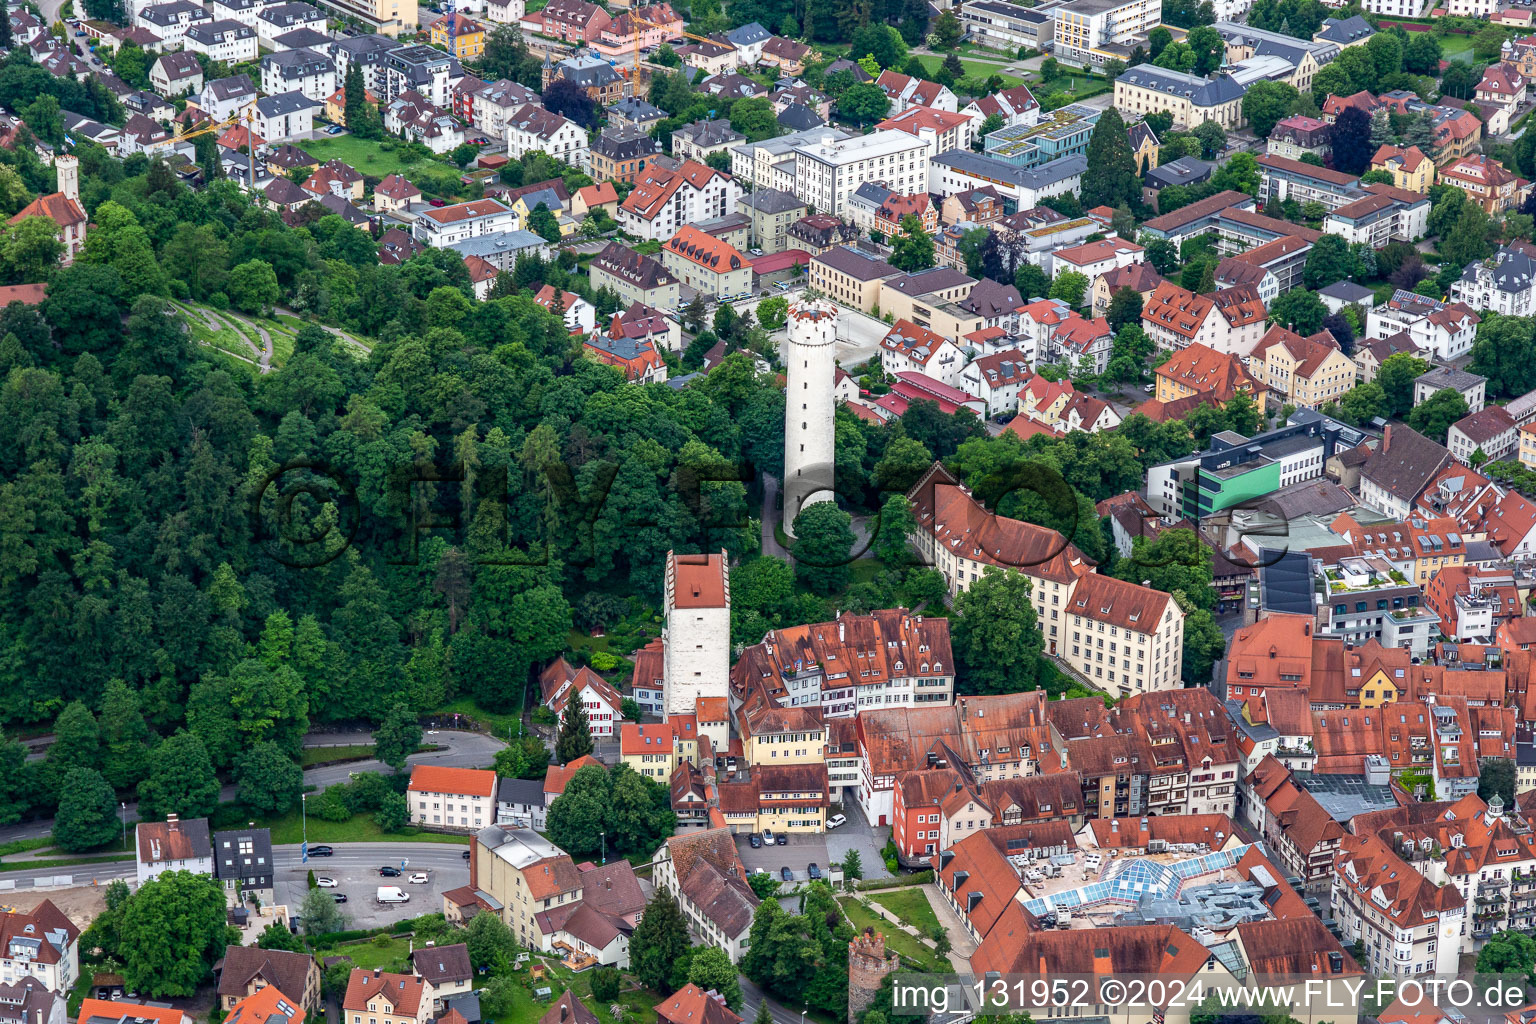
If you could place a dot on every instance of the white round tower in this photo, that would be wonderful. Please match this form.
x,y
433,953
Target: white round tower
x,y
810,359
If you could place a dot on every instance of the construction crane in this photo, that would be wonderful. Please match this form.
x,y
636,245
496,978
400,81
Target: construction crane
x,y
249,117
652,24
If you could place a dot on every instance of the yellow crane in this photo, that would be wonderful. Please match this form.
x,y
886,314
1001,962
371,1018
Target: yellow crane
x,y
248,116
652,24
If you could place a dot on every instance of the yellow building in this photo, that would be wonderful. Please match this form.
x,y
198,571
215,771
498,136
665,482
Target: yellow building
x,y
1410,168
1306,372
650,749
1528,446
463,37
773,735
1199,370
779,798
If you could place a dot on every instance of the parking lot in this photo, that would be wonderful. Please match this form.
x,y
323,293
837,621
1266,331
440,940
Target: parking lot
x,y
798,851
355,867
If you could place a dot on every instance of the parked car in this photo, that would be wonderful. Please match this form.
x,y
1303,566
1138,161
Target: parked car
x,y
320,851
334,129
419,878
1149,388
756,840
786,874
768,839
466,855
436,202
812,871
339,897
389,872
836,820
325,883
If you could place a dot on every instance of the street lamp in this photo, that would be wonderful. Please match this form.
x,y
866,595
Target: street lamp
x,y
604,837
303,827
123,808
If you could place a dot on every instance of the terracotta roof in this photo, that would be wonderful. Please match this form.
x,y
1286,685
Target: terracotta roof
x,y
967,529
1197,210
1177,310
556,778
1296,946
1159,950
56,207
1115,601
161,841
551,876
1309,353
1202,368
403,992
116,1009
1485,424
657,184
432,778
706,251
1213,830
711,877
698,581
1410,158
692,1005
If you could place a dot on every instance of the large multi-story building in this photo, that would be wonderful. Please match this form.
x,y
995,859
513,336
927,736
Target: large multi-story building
x,y
1304,372
668,199
1236,469
828,171
391,17
1090,33
1192,100
856,663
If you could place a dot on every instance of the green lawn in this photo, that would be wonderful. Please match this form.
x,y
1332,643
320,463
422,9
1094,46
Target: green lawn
x,y
933,62
368,955
365,155
908,946
501,724
23,845
912,907
1454,47
318,755
64,861
1077,86
288,828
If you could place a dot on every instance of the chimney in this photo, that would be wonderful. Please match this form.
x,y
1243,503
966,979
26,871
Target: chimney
x,y
172,823
68,168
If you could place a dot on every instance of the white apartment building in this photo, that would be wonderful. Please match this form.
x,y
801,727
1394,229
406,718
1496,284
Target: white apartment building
x,y
771,163
1090,32
460,799
171,21
285,115
828,171
1128,639
664,200
304,71
532,127
1445,331
228,41
1504,283
243,11
445,225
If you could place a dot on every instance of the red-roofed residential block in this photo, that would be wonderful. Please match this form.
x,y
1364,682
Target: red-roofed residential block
x,y
458,799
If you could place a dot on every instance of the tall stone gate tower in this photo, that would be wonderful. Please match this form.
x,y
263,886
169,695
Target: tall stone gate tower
x,y
809,405
868,964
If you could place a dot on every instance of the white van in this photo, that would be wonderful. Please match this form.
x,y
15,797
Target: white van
x,y
393,894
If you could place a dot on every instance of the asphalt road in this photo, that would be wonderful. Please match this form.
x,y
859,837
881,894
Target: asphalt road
x,y
356,867
465,750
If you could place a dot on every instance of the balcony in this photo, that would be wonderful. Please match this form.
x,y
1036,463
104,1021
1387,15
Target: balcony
x,y
1496,882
